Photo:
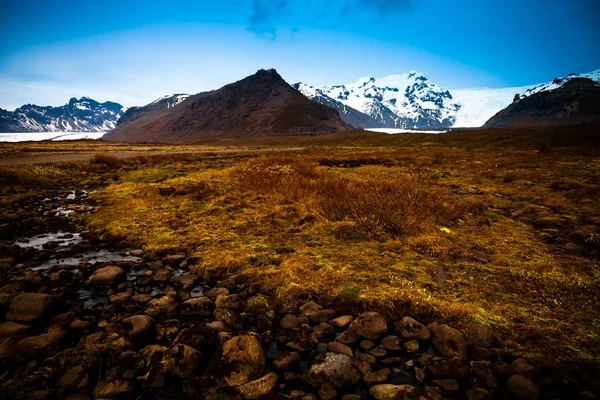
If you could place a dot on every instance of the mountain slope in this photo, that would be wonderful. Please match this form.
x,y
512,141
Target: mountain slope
x,y
162,103
565,101
262,104
78,115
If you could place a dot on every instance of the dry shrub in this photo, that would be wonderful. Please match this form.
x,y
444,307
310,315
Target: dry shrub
x,y
292,177
386,207
107,160
30,175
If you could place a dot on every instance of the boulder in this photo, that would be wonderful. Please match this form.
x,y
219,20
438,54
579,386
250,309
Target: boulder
x,y
410,329
339,348
290,321
239,360
198,306
216,292
522,367
448,341
259,387
74,379
139,326
392,392
369,325
112,390
30,307
39,346
286,361
173,260
108,276
12,328
342,322
523,387
479,335
337,370
181,360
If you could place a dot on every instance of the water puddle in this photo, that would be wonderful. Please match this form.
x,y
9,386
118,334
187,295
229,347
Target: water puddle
x,y
91,299
93,257
196,292
62,239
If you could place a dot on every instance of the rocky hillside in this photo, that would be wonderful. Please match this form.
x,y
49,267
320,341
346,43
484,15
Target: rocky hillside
x,y
565,101
78,115
262,104
162,103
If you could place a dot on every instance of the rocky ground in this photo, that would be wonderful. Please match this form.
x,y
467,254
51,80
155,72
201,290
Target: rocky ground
x,y
81,318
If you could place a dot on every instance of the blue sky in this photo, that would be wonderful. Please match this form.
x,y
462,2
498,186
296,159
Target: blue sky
x,y
133,51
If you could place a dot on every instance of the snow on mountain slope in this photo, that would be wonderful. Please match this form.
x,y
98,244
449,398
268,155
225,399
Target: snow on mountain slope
x,y
479,105
171,100
78,115
560,82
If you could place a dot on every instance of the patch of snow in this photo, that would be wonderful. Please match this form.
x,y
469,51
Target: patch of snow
x,y
393,131
54,136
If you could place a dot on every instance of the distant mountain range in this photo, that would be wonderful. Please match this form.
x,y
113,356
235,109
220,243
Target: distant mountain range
x,y
262,104
78,115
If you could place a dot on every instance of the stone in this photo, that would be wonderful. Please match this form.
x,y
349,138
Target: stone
x,y
286,361
216,292
433,393
30,307
419,375
173,260
239,360
366,345
74,379
322,316
523,387
392,392
229,317
228,283
501,370
572,248
377,376
412,346
479,335
454,367
378,353
522,367
339,348
367,358
369,325
291,321
337,370
12,328
259,387
232,302
111,390
410,329
108,276
390,343
342,322
351,397
310,308
483,373
450,385
326,392
139,326
39,346
198,306
479,394
347,337
181,360
448,341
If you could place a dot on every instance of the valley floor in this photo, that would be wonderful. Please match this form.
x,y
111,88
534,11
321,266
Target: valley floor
x,y
503,237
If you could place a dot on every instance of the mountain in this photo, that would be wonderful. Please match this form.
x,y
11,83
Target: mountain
x,y
574,99
262,104
78,115
162,103
410,101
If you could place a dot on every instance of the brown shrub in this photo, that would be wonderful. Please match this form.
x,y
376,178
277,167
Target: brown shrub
x,y
107,160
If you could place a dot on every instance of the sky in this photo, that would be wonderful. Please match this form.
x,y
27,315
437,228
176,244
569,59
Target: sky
x,y
134,51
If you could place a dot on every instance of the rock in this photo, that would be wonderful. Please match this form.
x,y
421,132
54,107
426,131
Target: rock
x,y
448,341
368,358
259,387
168,327
291,321
228,283
74,380
30,307
286,361
522,367
369,325
366,345
216,292
450,385
111,390
392,392
351,397
139,326
412,346
232,302
572,248
410,329
322,316
342,322
310,308
479,335
324,329
173,260
12,328
479,394
137,253
377,377
523,387
363,366
7,346
239,360
229,317
337,370
586,395
347,337
339,348
108,276
39,346
390,343
483,373
419,375
433,393
181,360
378,353
326,392
502,370
454,367
198,306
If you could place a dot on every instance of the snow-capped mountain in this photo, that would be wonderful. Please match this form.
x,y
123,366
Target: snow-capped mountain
x,y
410,101
558,83
162,103
78,115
